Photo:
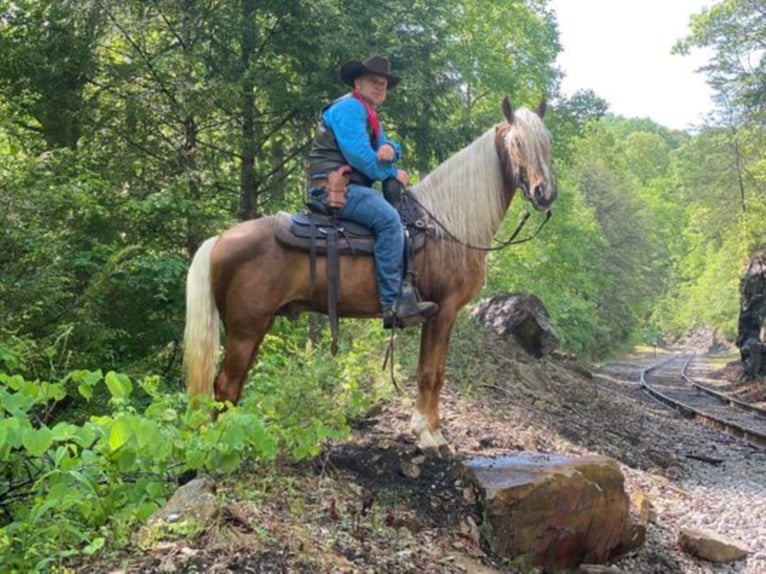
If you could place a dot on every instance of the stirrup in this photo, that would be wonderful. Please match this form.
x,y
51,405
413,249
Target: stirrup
x,y
408,311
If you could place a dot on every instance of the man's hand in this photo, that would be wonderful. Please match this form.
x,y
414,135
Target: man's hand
x,y
386,152
402,177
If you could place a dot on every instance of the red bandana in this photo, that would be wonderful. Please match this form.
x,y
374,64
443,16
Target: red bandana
x,y
372,116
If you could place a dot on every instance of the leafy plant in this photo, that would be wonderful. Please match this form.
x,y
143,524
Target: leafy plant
x,y
68,484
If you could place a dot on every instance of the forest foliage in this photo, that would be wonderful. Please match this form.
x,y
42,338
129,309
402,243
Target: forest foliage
x,y
132,130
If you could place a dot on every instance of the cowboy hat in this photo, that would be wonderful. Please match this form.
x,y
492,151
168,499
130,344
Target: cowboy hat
x,y
377,65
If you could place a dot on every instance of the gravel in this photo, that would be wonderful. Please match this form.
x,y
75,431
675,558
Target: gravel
x,y
694,475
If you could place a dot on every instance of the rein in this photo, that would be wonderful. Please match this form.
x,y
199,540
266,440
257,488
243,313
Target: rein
x,y
501,244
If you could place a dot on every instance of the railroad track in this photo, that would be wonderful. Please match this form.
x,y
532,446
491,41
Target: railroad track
x,y
670,383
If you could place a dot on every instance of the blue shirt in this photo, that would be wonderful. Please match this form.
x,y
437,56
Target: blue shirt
x,y
347,118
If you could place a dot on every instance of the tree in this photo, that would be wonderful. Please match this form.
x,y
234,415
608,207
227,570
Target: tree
x,y
736,32
48,49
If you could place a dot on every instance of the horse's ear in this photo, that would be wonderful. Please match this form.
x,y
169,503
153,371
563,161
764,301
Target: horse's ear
x,y
507,110
542,108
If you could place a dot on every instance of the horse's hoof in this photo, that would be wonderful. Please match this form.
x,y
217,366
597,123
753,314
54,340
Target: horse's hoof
x,y
429,451
446,451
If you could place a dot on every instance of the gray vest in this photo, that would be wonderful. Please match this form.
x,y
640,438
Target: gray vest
x,y
325,155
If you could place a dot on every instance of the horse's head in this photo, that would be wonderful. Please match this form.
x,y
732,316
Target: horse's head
x,y
526,144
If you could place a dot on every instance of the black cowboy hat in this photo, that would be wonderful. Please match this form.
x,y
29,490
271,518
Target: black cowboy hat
x,y
377,65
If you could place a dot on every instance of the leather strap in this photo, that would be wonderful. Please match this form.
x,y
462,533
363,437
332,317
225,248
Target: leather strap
x,y
312,258
333,286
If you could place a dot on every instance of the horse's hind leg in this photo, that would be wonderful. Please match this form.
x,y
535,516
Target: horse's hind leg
x,y
240,352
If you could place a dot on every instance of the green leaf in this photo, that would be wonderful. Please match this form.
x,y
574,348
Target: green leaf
x,y
230,461
126,460
84,436
156,490
86,391
11,432
59,455
17,404
64,431
119,433
86,380
37,441
84,481
96,545
52,391
119,385
148,435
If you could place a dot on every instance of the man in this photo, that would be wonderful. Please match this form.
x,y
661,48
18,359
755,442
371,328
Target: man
x,y
350,134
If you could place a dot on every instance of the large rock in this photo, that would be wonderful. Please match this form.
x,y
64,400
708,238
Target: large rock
x,y
554,512
192,508
521,316
711,546
751,338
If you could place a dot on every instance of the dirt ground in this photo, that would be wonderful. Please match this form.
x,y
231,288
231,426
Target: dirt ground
x,y
374,503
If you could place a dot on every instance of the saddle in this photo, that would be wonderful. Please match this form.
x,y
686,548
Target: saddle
x,y
313,231
316,232
320,233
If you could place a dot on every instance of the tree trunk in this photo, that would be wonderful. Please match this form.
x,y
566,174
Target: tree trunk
x,y
247,152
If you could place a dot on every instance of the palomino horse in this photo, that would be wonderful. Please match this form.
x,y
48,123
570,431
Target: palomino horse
x,y
245,277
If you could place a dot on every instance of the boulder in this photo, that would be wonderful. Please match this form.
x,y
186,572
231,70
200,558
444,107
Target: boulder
x,y
711,546
554,512
751,336
521,316
191,508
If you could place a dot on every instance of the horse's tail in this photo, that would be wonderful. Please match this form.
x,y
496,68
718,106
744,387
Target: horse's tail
x,y
201,336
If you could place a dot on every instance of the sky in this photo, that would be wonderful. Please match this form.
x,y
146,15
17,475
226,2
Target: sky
x,y
620,49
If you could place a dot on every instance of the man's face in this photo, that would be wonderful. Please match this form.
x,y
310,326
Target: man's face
x,y
373,88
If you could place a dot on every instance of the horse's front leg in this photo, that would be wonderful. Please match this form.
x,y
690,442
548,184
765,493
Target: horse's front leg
x,y
434,342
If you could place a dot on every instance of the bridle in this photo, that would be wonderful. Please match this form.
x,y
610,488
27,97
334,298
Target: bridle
x,y
501,244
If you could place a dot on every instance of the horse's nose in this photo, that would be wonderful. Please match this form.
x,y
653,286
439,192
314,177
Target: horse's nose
x,y
539,193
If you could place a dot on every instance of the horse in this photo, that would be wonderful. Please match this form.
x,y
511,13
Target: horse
x,y
245,278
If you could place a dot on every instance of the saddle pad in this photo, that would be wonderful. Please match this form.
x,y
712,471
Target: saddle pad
x,y
306,222
299,230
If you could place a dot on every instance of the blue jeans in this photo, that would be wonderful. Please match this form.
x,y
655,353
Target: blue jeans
x,y
367,206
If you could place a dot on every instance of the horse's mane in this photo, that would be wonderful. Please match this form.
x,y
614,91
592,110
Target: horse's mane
x,y
465,193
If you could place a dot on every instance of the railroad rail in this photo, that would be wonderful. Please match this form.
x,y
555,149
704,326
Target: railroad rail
x,y
671,385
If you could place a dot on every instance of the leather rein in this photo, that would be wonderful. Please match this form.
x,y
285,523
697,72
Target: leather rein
x,y
501,244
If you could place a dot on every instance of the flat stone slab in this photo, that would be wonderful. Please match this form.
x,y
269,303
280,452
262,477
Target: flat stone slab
x,y
711,546
554,511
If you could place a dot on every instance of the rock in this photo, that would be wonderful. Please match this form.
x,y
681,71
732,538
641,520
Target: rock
x,y
474,566
191,508
711,546
531,442
646,511
598,569
751,336
553,511
410,470
521,316
470,530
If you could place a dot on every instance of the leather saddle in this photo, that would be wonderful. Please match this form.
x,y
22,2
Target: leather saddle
x,y
312,231
320,232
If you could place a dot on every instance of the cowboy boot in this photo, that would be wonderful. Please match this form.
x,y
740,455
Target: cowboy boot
x,y
408,311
